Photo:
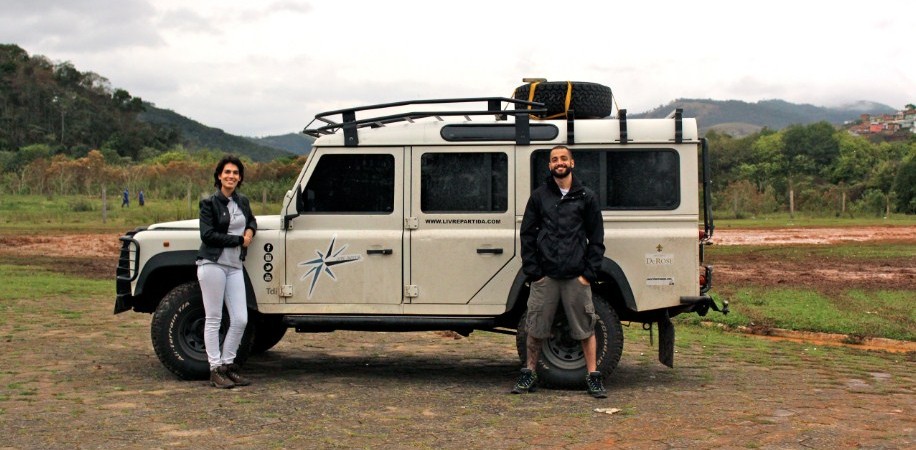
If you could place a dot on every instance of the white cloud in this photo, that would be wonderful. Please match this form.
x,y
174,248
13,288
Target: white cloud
x,y
265,68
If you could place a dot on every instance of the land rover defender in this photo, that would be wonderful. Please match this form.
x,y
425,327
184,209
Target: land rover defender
x,y
405,217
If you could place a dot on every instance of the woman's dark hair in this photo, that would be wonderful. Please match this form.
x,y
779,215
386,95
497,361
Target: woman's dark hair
x,y
222,164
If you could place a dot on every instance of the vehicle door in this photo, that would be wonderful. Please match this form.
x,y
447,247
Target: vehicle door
x,y
463,214
346,246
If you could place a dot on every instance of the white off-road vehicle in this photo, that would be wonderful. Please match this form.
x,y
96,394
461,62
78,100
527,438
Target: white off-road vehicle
x,y
406,215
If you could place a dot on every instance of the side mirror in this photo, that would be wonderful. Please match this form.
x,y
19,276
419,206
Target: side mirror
x,y
300,206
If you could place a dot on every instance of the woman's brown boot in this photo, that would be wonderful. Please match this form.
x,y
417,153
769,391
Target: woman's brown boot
x,y
232,371
220,379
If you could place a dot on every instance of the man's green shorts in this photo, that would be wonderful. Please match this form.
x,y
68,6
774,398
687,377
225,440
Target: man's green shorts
x,y
577,304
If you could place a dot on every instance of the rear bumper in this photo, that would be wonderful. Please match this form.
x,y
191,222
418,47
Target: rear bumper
x,y
701,304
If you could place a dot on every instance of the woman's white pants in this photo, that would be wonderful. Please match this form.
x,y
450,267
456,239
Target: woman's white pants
x,y
219,282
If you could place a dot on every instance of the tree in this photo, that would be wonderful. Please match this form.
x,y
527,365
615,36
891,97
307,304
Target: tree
x,y
905,184
811,149
856,158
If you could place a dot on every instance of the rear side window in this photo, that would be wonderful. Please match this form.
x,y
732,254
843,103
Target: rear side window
x,y
464,182
623,179
351,183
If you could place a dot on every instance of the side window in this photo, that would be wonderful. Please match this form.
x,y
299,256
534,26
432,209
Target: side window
x,y
464,182
623,179
351,183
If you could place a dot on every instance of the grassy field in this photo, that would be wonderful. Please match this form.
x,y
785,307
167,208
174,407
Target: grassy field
x,y
851,298
856,313
77,213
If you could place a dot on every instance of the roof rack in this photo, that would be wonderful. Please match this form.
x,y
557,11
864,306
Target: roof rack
x,y
350,124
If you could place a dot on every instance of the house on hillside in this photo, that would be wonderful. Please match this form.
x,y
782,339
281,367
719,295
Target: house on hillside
x,y
886,124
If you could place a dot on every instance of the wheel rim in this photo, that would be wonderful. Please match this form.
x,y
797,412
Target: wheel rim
x,y
190,330
191,334
561,350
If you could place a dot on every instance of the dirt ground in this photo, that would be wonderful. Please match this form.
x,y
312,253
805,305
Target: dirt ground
x,y
813,270
72,375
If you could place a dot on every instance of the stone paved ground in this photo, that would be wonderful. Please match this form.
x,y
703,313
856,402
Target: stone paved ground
x,y
73,375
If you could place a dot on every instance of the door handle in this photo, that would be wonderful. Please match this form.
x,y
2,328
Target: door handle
x,y
492,251
379,251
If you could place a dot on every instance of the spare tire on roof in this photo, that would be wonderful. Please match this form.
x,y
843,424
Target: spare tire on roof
x,y
587,100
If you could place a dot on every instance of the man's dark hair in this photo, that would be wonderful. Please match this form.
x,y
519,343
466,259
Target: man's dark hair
x,y
559,147
222,164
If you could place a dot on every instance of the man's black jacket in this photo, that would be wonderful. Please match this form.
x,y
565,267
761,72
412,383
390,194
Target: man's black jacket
x,y
214,225
562,237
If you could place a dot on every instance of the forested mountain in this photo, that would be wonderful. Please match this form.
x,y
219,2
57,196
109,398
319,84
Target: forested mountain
x,y
195,135
297,143
68,110
739,118
73,112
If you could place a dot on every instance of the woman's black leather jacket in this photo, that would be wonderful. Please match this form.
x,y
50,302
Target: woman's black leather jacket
x,y
214,225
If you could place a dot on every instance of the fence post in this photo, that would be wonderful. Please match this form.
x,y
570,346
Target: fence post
x,y
791,203
104,204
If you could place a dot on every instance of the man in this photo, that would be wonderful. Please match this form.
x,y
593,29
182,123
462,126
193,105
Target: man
x,y
562,237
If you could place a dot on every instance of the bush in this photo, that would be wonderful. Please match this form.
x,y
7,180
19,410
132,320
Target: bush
x,y
873,202
742,198
81,205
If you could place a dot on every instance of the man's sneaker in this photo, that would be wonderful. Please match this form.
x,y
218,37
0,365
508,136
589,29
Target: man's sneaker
x,y
527,382
595,383
232,371
219,379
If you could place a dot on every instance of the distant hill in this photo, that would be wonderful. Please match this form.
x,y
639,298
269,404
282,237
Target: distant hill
x,y
297,143
740,118
195,135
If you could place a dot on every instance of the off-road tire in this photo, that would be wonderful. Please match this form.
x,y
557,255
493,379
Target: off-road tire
x,y
589,100
562,364
268,331
177,333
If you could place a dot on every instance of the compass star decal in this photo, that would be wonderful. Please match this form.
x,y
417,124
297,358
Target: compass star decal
x,y
324,262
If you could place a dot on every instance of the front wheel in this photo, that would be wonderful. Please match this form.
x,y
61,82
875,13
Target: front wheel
x,y
177,332
268,332
562,363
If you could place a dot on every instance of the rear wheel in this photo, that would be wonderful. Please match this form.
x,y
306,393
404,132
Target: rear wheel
x,y
177,332
562,363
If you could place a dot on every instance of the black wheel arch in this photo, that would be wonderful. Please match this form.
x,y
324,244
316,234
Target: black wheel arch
x,y
165,271
612,285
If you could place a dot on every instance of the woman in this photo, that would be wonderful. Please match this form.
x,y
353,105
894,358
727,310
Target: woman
x,y
227,227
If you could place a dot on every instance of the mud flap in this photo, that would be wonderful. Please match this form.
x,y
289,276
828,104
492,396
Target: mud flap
x,y
666,341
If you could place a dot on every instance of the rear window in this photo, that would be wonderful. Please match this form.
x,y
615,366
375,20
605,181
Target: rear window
x,y
623,179
464,182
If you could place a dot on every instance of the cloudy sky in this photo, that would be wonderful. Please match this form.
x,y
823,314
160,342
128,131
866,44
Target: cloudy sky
x,y
259,68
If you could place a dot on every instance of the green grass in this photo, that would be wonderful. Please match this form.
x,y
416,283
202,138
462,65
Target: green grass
x,y
80,213
29,282
30,294
890,314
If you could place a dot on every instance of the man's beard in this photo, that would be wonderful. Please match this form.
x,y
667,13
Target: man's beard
x,y
568,172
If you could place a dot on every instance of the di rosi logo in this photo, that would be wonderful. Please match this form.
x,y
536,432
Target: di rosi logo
x,y
658,258
324,262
